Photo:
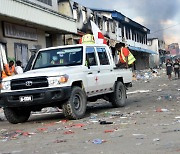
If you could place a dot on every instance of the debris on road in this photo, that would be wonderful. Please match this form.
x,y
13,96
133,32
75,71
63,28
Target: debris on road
x,y
68,132
138,91
156,139
162,110
105,123
98,141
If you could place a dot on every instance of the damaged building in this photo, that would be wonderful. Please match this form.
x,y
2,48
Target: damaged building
x,y
115,27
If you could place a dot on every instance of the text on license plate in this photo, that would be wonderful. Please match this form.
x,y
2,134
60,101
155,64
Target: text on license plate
x,y
26,98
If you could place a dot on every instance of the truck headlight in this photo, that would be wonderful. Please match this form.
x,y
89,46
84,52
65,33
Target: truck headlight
x,y
6,85
54,81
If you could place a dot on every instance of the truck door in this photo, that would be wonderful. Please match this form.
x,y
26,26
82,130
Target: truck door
x,y
106,77
93,70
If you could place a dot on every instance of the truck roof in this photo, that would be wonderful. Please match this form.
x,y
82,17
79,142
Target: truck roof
x,y
76,45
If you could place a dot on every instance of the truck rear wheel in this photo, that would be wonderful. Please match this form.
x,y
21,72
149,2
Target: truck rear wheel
x,y
118,97
75,107
16,115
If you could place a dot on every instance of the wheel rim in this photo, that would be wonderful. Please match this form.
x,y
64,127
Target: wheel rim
x,y
77,102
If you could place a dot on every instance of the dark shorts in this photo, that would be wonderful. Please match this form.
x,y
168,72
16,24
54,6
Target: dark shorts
x,y
169,72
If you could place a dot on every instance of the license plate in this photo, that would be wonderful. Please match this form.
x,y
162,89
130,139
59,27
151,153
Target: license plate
x,y
26,98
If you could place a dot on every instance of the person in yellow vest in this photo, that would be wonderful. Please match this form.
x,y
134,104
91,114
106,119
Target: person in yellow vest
x,y
125,56
88,38
9,70
61,60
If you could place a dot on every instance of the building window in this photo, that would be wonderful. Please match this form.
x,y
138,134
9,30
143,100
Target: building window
x,y
48,2
100,23
84,14
76,14
107,26
92,17
113,27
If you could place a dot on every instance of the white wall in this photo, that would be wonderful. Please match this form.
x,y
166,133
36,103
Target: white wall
x,y
154,59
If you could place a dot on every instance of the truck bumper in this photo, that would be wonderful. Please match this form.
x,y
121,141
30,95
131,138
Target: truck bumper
x,y
39,97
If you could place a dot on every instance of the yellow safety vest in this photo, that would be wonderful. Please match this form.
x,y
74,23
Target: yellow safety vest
x,y
131,58
61,61
88,39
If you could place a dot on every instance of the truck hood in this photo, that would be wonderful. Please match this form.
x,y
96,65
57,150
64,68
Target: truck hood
x,y
53,71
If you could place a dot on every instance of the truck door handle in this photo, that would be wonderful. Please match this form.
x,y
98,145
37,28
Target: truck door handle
x,y
111,70
99,71
90,73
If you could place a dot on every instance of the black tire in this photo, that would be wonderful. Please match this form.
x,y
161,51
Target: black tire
x,y
118,97
75,107
16,115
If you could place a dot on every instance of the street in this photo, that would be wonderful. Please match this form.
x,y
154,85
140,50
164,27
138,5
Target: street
x,y
149,123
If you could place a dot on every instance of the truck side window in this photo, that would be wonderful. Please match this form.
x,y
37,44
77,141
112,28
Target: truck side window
x,y
103,57
90,56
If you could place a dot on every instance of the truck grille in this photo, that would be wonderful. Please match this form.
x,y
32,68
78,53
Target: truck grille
x,y
29,83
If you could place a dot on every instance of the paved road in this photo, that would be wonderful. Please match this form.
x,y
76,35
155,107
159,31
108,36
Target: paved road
x,y
150,123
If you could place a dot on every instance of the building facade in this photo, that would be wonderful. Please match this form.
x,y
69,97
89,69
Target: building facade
x,y
29,24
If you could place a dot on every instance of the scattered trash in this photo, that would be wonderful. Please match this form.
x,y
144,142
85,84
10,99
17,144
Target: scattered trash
x,y
68,132
159,90
77,125
42,129
93,116
60,141
105,123
156,139
178,117
138,91
161,110
138,134
98,141
108,131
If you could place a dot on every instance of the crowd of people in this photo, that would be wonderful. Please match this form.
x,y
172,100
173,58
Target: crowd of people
x,y
170,67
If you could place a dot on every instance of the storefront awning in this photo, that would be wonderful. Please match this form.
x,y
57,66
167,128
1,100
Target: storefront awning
x,y
142,50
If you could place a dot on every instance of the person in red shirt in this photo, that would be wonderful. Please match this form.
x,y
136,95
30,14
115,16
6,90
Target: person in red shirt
x,y
122,51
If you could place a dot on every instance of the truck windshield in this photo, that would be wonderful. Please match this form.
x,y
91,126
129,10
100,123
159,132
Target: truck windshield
x,y
59,57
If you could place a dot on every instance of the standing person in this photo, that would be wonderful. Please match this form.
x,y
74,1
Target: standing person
x,y
169,68
176,67
18,68
88,38
9,70
125,56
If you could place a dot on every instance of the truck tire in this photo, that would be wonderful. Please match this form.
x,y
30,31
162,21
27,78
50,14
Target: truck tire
x,y
75,107
16,115
118,97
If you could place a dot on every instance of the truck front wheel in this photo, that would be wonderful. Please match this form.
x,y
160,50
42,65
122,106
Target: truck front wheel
x,y
75,107
16,115
118,97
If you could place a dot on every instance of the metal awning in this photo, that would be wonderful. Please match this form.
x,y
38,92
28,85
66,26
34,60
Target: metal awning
x,y
142,50
26,11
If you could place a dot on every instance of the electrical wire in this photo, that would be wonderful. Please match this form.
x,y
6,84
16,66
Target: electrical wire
x,y
165,28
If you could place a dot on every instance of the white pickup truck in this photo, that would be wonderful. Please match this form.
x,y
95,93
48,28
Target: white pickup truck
x,y
65,77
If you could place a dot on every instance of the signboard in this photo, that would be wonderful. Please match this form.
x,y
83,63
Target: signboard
x,y
19,32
